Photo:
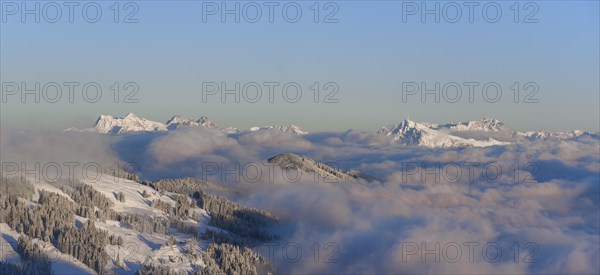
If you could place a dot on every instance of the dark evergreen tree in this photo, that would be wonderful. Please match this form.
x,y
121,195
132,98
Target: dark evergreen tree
x,y
34,259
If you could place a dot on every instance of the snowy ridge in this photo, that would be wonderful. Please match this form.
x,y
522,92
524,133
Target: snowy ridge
x,y
107,124
409,132
543,135
485,124
179,121
291,129
306,164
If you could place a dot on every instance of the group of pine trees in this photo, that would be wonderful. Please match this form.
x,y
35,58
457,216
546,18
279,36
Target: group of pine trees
x,y
231,259
185,186
181,209
41,221
33,256
91,203
34,260
243,221
219,259
229,254
87,244
247,225
52,219
121,173
145,224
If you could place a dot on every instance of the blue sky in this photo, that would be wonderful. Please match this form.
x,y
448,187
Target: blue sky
x,y
369,53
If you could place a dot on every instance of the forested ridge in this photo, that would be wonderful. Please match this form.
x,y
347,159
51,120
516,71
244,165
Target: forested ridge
x,y
52,218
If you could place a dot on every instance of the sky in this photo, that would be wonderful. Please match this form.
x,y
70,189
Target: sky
x,y
365,57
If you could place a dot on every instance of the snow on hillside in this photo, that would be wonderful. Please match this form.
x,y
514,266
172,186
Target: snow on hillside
x,y
138,248
306,164
61,263
134,202
141,248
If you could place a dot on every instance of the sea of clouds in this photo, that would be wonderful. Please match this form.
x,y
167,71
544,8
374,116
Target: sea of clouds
x,y
531,207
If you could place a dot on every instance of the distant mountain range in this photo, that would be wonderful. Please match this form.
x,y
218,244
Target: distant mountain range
x,y
478,133
107,124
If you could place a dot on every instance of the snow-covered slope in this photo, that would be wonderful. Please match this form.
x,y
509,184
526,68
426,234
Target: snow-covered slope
x,y
306,164
61,263
177,246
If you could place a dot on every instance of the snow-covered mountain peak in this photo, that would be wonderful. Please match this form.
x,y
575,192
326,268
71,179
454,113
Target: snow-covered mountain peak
x,y
409,125
204,121
179,120
107,124
296,130
431,135
131,116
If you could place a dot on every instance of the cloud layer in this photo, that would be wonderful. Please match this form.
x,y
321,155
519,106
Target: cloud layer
x,y
437,211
